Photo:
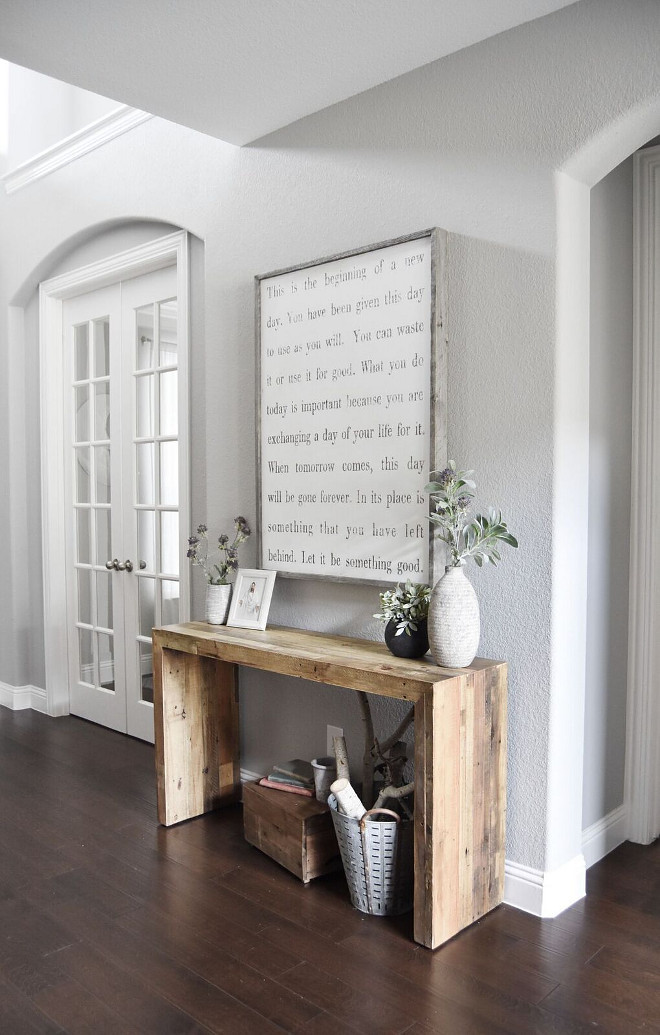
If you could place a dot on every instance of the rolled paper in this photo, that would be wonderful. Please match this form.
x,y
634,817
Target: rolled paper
x,y
341,755
347,799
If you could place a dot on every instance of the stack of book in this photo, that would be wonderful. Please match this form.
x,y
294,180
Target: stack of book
x,y
295,776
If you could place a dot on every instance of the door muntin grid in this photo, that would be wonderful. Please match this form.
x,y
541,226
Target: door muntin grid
x,y
92,481
156,475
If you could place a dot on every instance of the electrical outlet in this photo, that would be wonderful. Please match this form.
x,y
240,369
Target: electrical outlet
x,y
332,731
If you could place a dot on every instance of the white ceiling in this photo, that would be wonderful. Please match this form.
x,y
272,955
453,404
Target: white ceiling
x,y
238,69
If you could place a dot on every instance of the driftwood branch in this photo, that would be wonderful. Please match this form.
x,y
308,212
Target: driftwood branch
x,y
369,741
389,757
399,731
392,764
399,793
341,757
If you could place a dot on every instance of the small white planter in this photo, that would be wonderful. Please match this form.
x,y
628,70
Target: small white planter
x,y
325,773
453,624
217,604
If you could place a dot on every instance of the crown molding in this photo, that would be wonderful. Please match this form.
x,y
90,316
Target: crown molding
x,y
98,133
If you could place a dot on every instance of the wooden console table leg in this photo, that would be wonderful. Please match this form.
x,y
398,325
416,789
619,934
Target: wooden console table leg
x,y
460,803
197,734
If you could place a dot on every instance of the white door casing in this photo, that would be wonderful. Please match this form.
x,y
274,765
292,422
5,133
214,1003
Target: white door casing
x,y
56,520
642,780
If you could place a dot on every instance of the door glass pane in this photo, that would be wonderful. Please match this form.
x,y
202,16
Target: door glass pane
x,y
106,648
82,475
102,469
81,404
103,539
169,473
104,599
81,352
169,543
144,405
169,402
101,347
145,472
144,333
168,334
86,656
147,688
146,522
83,543
145,665
169,608
147,606
84,596
102,411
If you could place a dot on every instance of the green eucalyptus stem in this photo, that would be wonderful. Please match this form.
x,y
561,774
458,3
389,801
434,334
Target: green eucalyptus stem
x,y
466,538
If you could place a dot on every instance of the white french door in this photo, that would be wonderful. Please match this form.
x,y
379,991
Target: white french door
x,y
122,410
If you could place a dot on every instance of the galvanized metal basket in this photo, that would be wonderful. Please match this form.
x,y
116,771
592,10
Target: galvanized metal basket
x,y
377,853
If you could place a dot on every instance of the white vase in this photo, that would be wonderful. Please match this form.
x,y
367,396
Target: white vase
x,y
217,604
453,623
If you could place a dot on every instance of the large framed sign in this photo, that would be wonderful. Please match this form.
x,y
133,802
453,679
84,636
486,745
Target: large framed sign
x,y
351,411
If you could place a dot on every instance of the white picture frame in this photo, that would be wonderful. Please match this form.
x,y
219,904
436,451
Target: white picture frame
x,y
250,601
351,411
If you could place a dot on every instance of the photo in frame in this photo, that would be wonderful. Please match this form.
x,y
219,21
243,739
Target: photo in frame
x,y
250,602
351,411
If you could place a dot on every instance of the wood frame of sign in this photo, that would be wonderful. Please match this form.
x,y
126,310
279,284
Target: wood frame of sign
x,y
352,411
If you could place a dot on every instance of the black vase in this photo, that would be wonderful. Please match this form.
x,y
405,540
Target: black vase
x,y
407,646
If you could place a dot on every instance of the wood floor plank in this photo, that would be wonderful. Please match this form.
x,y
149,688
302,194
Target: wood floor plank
x,y
281,893
125,996
266,996
79,1012
169,980
20,1016
110,923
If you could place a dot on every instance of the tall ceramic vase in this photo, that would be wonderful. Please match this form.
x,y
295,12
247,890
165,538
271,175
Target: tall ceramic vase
x,y
217,604
453,621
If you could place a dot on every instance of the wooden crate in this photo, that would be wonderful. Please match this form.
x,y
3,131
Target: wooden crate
x,y
295,831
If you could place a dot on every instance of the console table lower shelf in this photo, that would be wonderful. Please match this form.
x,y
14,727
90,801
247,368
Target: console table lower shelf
x,y
459,754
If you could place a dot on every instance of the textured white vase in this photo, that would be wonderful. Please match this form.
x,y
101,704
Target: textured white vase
x,y
217,604
453,623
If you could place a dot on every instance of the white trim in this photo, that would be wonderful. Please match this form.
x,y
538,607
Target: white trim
x,y
548,893
603,836
98,133
154,255
165,251
17,698
642,781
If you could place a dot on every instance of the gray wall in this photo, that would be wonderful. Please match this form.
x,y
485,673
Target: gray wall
x,y
471,143
610,431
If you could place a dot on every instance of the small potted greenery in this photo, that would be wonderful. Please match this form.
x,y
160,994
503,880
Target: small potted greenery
x,y
217,566
404,609
454,622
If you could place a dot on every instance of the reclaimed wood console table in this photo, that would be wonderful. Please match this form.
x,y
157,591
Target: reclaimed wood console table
x,y
460,747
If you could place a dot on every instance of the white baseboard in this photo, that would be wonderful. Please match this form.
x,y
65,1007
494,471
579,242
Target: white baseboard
x,y
605,835
19,697
545,893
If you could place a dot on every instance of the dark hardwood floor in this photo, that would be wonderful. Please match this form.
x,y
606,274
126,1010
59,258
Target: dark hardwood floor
x,y
110,923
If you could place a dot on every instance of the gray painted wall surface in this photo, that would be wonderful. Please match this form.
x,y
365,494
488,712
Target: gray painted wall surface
x,y
610,424
473,144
